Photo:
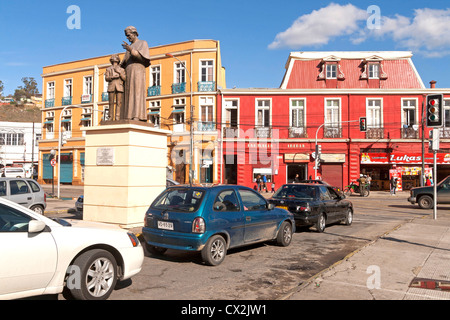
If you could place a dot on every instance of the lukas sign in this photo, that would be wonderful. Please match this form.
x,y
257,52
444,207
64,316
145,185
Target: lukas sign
x,y
403,158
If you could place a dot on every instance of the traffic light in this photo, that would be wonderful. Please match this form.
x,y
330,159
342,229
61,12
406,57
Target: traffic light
x,y
363,124
63,138
435,110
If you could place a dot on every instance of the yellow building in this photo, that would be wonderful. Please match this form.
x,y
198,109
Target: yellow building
x,y
181,74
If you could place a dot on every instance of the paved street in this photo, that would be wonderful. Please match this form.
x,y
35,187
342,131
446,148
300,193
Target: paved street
x,y
269,272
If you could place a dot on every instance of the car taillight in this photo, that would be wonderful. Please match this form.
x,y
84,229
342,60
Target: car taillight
x,y
198,226
134,240
45,197
306,208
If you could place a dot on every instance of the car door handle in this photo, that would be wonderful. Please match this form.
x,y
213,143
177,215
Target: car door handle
x,y
248,218
29,198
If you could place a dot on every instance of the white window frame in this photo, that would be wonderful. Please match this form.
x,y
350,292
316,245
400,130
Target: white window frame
x,y
51,90
263,108
332,123
292,108
446,113
228,105
179,72
331,70
207,67
179,103
105,84
155,71
153,118
374,70
372,110
416,111
206,101
88,85
68,83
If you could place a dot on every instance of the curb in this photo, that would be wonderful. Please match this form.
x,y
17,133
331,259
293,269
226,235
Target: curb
x,y
308,281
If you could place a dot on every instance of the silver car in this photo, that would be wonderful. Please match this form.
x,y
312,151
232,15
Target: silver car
x,y
26,192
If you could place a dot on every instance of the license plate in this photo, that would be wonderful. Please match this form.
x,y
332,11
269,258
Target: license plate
x,y
165,225
282,207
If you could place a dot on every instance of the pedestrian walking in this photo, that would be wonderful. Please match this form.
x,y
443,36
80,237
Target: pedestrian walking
x,y
265,182
368,181
297,178
273,187
393,185
362,185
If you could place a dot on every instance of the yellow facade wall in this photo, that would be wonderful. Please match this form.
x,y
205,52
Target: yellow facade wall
x,y
189,52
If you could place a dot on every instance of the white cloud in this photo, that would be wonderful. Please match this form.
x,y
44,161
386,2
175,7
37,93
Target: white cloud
x,y
427,32
318,27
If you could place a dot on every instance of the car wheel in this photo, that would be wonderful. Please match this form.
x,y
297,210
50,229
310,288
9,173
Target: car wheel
x,y
425,202
284,236
98,275
158,251
214,251
348,217
38,209
321,223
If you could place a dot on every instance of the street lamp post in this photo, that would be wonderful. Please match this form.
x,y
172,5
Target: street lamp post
x,y
191,146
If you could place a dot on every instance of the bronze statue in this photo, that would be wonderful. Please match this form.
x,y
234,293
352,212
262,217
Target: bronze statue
x,y
115,76
136,60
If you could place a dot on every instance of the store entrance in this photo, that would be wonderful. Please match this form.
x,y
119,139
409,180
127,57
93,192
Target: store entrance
x,y
293,170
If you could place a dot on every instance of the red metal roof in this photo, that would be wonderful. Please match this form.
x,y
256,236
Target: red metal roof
x,y
401,74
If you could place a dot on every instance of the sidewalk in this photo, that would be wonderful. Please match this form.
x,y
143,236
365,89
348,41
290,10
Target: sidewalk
x,y
411,262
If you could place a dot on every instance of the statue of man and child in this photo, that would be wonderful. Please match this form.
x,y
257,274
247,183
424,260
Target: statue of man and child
x,y
126,80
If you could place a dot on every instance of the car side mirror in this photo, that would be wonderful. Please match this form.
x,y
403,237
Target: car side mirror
x,y
35,226
270,206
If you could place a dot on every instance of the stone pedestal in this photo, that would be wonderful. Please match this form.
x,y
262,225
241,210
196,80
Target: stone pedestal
x,y
125,170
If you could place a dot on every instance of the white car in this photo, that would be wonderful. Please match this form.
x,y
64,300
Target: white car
x,y
43,256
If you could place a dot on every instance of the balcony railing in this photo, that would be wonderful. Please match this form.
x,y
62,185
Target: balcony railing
x,y
375,133
332,132
263,132
105,96
179,87
154,91
297,132
230,132
410,133
206,86
66,101
206,126
49,103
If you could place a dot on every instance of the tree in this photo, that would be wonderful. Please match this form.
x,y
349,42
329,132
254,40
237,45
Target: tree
x,y
1,89
29,89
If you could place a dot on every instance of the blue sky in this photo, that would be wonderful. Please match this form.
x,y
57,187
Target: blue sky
x,y
256,36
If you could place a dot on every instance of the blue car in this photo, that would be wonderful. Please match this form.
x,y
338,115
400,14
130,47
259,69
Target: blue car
x,y
212,220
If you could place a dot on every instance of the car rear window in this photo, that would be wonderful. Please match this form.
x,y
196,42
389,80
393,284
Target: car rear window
x,y
179,199
297,191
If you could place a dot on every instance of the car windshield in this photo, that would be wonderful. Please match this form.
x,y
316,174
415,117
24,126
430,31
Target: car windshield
x,y
296,191
179,199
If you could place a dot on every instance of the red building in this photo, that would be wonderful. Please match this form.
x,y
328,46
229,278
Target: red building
x,y
274,132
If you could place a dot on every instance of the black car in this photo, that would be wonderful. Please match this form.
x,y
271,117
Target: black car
x,y
319,182
313,204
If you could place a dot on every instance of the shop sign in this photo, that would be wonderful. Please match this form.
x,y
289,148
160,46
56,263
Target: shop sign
x,y
404,158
